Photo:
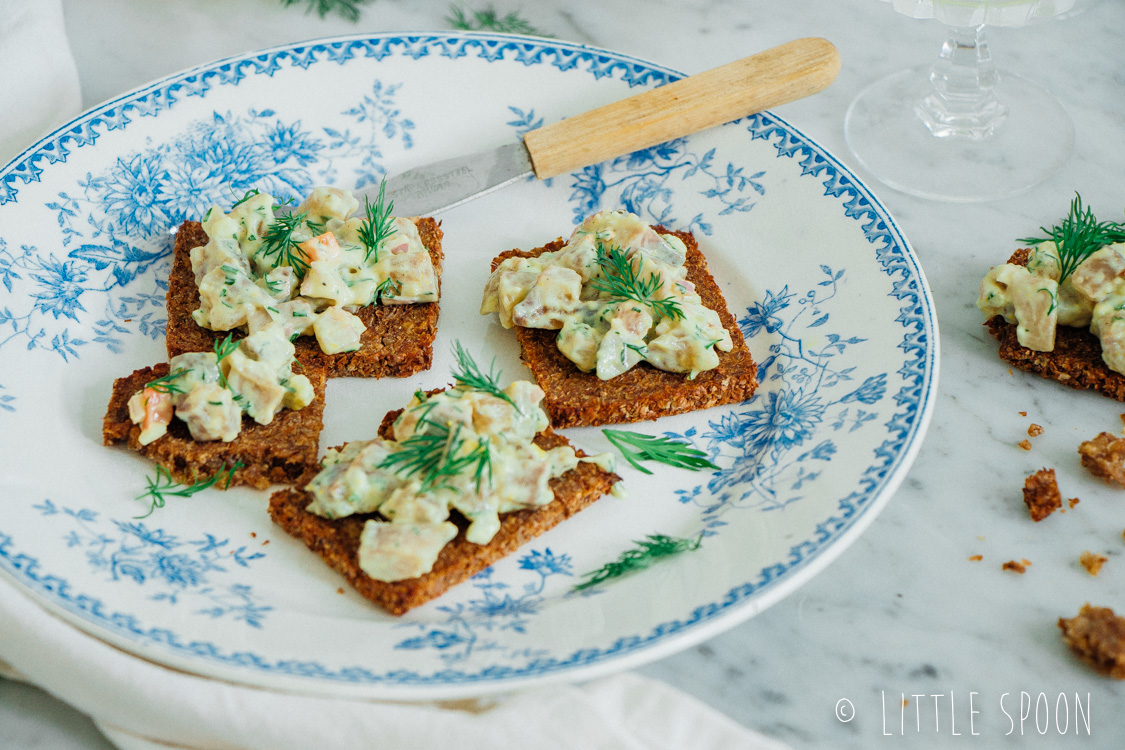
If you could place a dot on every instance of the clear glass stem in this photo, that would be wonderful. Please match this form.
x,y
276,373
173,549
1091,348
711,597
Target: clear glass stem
x,y
962,101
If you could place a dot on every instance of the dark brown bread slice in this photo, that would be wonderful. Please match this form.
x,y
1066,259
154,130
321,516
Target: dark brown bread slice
x,y
281,452
398,341
575,398
1076,360
337,542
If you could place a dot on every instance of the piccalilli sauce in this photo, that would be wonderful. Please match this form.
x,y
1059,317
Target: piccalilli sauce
x,y
601,331
316,283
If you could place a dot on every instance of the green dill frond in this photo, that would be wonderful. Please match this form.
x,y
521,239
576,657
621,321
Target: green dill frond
x,y
620,281
1078,235
378,223
436,455
651,549
468,375
636,447
346,9
245,196
163,486
278,243
167,384
388,287
489,20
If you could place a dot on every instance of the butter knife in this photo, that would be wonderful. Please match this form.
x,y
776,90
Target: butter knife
x,y
767,79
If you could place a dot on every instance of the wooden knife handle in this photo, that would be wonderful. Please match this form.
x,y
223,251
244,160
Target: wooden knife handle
x,y
767,79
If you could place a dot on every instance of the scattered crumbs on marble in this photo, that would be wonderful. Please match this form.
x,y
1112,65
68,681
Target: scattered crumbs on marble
x,y
1041,494
1022,413
976,558
1015,567
1025,444
905,702
981,538
265,542
1072,502
1034,430
253,535
340,590
1092,563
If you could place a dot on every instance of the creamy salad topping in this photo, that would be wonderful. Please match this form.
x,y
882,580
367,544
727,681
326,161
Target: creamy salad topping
x,y
309,270
618,294
461,449
210,391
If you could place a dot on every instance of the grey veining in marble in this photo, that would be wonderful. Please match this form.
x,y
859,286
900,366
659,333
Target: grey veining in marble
x,y
904,611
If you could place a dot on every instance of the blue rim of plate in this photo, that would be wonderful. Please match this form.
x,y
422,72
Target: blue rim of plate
x,y
854,511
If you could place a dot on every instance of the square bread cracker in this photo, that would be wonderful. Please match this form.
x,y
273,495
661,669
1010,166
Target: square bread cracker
x,y
575,398
281,452
337,541
398,341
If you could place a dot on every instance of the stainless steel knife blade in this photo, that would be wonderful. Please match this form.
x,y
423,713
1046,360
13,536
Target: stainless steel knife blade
x,y
779,75
436,187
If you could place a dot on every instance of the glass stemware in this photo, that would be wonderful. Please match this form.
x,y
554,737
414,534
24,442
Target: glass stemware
x,y
959,130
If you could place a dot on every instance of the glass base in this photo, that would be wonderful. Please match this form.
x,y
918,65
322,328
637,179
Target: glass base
x,y
892,142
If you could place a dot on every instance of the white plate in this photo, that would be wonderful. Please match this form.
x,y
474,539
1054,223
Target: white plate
x,y
832,300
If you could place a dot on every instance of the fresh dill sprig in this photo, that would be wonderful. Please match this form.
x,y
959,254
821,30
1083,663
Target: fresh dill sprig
x,y
167,384
435,455
278,241
621,282
378,224
224,349
1078,236
469,375
347,9
636,447
245,197
163,486
652,548
489,20
388,287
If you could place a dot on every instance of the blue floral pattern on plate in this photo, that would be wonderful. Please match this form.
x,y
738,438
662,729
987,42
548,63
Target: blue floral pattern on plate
x,y
84,243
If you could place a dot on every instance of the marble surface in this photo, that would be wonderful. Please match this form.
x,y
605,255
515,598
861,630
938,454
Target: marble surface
x,y
903,612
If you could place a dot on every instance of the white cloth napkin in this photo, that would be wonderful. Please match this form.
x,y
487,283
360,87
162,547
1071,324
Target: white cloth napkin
x,y
38,79
143,706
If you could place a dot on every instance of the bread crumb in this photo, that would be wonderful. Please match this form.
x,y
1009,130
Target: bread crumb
x,y
905,702
1022,413
1025,444
1092,563
265,542
1072,501
1034,430
976,558
340,590
253,535
1025,561
1041,494
1097,636
1014,566
1104,456
1123,417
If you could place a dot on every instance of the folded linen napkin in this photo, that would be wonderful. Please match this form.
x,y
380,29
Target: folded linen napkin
x,y
38,79
140,705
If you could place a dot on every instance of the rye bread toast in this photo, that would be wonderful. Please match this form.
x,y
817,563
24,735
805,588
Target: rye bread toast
x,y
1076,360
337,541
398,340
281,452
575,398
